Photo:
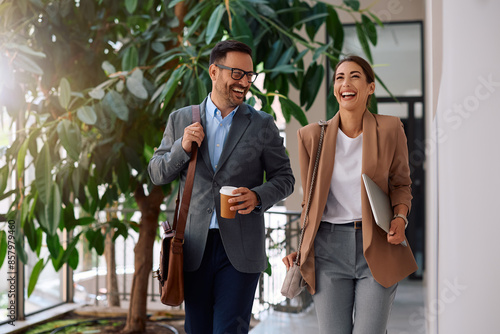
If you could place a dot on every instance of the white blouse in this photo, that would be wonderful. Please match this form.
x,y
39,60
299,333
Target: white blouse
x,y
344,197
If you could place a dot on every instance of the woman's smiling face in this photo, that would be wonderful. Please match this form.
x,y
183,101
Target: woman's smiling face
x,y
351,87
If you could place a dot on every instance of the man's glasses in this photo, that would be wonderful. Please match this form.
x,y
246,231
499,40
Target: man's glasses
x,y
237,74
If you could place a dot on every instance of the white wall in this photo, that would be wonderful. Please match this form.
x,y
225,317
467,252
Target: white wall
x,y
464,189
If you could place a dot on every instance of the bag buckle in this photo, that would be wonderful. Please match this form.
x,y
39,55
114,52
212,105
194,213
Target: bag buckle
x,y
156,273
174,238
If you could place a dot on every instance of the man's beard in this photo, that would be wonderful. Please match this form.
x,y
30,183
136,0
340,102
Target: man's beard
x,y
230,95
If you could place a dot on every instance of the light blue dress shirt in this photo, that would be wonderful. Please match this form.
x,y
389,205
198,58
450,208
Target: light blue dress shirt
x,y
216,132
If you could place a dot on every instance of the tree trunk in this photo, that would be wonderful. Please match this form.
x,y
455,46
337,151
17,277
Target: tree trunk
x,y
111,279
150,210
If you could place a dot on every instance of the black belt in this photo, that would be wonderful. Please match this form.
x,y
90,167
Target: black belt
x,y
355,225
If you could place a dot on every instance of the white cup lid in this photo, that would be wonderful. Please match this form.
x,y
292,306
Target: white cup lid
x,y
228,191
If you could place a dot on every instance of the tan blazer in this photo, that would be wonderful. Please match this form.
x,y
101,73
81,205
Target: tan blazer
x,y
385,161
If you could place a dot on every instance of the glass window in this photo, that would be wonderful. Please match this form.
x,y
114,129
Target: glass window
x,y
397,57
393,109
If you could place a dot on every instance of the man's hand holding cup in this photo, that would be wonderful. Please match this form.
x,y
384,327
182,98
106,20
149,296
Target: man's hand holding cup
x,y
241,200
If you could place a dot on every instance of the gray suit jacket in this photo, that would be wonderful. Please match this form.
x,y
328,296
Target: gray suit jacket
x,y
253,152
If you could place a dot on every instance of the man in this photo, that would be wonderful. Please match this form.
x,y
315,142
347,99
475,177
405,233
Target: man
x,y
238,146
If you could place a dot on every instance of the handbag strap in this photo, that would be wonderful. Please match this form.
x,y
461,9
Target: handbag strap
x,y
313,179
180,221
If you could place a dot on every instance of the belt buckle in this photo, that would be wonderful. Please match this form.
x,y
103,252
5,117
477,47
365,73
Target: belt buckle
x,y
357,225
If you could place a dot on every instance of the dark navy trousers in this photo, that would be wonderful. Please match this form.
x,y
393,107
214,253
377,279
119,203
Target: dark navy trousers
x,y
218,298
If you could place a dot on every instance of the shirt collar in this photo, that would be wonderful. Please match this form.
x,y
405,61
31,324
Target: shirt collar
x,y
212,109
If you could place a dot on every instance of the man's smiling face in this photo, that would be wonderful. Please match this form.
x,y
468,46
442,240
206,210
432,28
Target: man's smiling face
x,y
228,93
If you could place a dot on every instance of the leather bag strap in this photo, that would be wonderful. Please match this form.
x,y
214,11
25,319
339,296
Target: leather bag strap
x,y
180,220
313,179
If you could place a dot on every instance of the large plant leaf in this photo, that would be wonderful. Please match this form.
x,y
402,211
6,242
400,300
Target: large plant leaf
x,y
319,51
201,90
115,102
130,58
31,235
172,84
274,55
3,247
131,5
283,65
25,210
43,175
74,259
39,241
354,4
20,251
376,19
373,107
64,93
54,245
108,68
53,210
96,240
70,137
364,42
4,176
97,93
87,115
312,82
332,105
28,65
24,49
35,274
67,255
242,32
120,229
370,29
335,30
123,174
21,155
29,143
214,23
135,85
293,109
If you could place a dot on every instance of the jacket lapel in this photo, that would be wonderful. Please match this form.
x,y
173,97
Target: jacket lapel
x,y
204,144
370,145
241,120
327,158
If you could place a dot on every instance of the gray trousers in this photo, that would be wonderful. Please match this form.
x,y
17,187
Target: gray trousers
x,y
348,299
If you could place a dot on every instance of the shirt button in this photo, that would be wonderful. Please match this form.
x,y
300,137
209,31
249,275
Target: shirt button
x,y
218,145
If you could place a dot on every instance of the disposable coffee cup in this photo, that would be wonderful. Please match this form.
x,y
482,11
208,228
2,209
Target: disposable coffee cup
x,y
226,193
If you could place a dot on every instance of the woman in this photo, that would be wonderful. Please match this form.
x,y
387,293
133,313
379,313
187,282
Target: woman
x,y
350,265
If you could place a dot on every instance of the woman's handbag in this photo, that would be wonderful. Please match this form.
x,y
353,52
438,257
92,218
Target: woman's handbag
x,y
171,271
294,282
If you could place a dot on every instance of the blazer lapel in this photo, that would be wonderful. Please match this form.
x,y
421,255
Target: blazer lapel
x,y
327,158
370,145
241,120
203,150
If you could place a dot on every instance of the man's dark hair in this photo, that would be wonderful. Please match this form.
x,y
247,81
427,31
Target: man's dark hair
x,y
222,48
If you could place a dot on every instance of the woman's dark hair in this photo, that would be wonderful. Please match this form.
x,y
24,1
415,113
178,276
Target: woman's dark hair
x,y
222,48
367,69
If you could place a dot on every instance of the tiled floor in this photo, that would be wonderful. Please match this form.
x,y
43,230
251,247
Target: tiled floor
x,y
406,316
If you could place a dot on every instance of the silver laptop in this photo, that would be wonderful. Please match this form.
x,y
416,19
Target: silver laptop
x,y
380,204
